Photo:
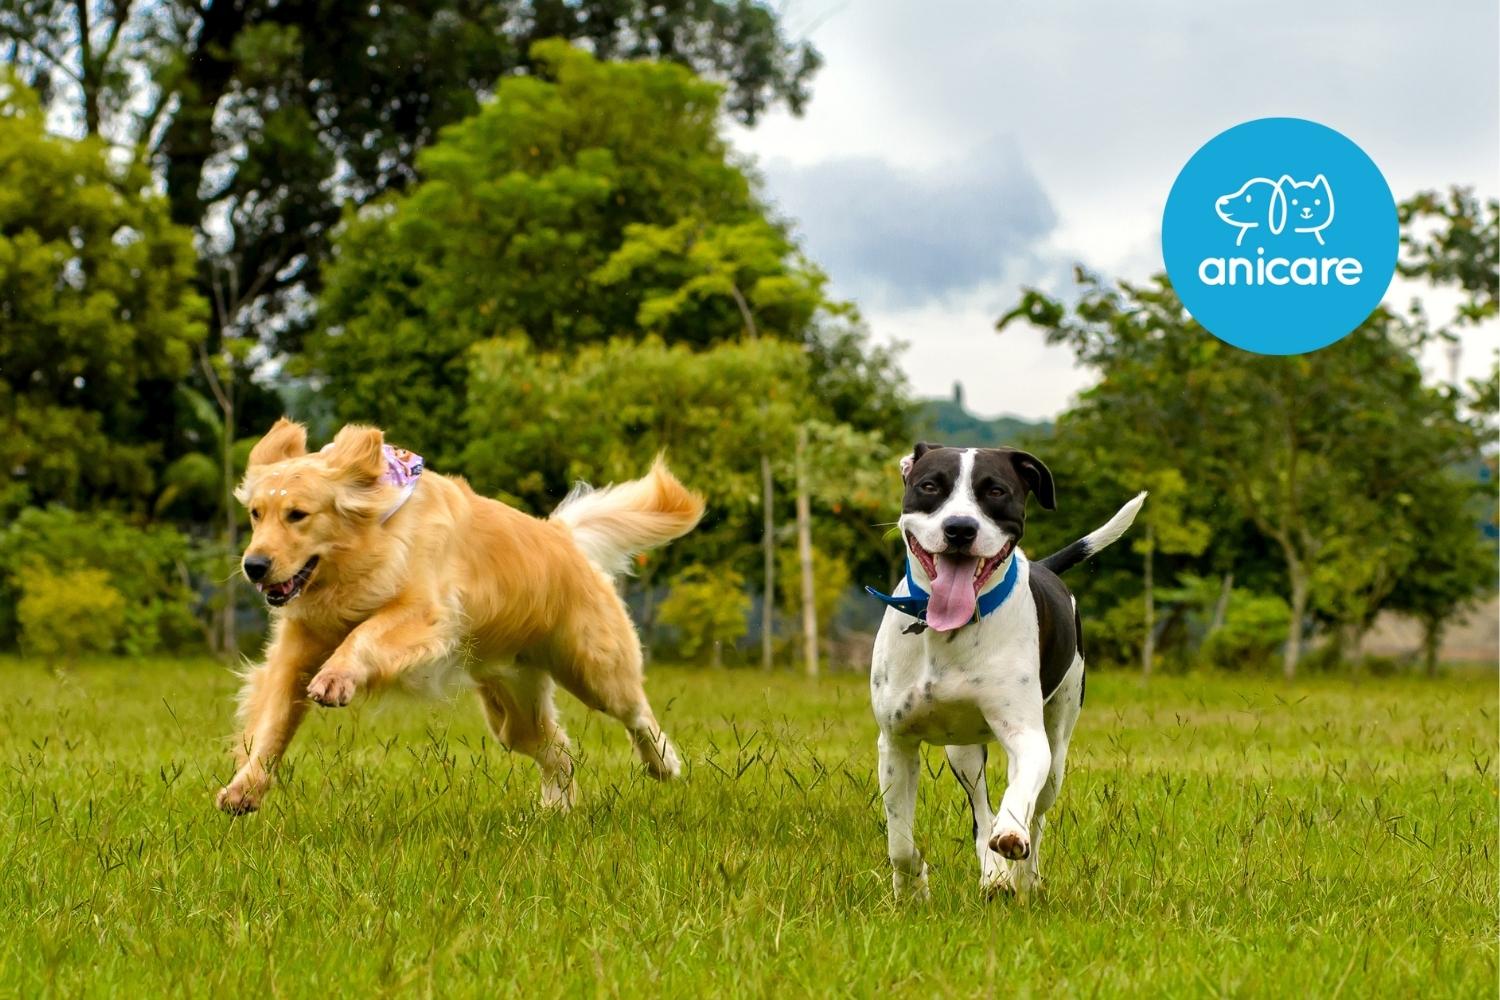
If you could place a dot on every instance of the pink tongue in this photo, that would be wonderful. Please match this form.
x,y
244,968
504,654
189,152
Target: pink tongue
x,y
952,603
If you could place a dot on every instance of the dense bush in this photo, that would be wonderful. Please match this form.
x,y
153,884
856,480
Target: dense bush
x,y
148,568
69,614
708,610
1255,626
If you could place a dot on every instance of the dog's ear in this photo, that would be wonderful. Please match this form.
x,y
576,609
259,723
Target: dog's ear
x,y
1037,477
286,439
907,461
1276,219
356,453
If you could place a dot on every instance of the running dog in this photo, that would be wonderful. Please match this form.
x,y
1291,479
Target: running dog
x,y
374,567
978,644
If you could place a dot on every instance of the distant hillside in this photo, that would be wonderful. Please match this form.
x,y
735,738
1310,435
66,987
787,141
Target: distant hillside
x,y
948,421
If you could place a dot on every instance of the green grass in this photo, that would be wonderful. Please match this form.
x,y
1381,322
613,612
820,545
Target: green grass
x,y
1216,836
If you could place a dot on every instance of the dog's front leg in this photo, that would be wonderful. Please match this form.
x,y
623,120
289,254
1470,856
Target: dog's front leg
x,y
1029,759
1019,729
272,704
900,766
397,636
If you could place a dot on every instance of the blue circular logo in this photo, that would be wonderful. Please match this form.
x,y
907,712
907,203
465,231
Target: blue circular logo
x,y
1280,236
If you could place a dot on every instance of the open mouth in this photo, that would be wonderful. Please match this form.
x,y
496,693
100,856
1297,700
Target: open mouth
x,y
278,594
957,580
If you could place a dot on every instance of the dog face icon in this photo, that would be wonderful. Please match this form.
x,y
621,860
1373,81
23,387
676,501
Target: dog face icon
x,y
1309,204
1258,202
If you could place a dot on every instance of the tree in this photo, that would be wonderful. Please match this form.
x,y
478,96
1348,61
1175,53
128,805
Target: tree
x,y
99,318
708,609
263,123
1316,451
521,205
597,201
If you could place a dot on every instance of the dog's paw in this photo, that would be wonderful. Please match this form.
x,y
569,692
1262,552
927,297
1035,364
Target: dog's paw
x,y
237,799
332,688
997,881
1011,844
910,888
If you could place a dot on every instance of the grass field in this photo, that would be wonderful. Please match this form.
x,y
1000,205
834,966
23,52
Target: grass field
x,y
1216,837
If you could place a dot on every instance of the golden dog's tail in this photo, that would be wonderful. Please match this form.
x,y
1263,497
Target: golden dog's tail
x,y
613,524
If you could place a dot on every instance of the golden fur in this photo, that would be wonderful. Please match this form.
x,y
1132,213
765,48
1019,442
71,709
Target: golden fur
x,y
520,602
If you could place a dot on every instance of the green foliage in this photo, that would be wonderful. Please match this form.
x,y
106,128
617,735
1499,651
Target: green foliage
x,y
265,122
596,201
1324,455
70,614
708,608
99,318
541,421
520,206
831,581
147,567
1113,635
1455,240
688,276
1254,628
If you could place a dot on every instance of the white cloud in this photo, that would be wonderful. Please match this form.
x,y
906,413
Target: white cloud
x,y
894,235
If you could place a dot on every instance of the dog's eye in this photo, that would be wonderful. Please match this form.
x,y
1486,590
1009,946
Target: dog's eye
x,y
928,487
295,515
255,515
998,491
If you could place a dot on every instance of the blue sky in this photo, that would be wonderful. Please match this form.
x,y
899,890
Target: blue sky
x,y
954,152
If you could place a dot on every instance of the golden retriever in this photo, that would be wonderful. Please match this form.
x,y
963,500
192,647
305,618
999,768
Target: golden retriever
x,y
368,580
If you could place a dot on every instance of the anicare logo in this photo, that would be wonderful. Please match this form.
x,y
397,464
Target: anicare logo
x,y
1262,252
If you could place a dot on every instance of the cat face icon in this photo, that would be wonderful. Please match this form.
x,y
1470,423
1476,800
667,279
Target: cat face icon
x,y
1309,204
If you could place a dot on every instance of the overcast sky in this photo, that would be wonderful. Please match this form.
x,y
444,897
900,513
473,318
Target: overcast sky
x,y
954,152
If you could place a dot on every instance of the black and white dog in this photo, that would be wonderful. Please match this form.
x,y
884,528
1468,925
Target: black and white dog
x,y
979,644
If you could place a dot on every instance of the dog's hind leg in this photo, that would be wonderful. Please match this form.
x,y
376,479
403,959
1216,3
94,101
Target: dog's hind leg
x,y
1059,717
967,764
598,659
518,706
900,768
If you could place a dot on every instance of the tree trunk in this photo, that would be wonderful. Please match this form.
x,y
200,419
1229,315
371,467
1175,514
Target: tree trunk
x,y
1221,606
648,616
804,552
1292,655
768,545
231,529
716,658
1432,642
1148,646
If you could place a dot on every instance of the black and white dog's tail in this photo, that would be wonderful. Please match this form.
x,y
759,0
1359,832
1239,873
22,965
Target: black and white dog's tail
x,y
1071,555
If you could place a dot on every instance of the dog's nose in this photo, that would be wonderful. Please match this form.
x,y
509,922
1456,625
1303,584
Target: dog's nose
x,y
257,567
960,531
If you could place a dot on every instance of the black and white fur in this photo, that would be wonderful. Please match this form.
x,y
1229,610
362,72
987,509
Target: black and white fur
x,y
1016,675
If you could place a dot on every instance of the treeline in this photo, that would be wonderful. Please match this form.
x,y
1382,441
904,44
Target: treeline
x,y
535,265
1291,498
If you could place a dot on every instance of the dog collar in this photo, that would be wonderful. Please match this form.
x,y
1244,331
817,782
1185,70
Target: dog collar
x,y
402,469
915,603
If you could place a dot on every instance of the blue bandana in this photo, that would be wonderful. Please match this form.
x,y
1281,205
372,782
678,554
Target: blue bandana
x,y
915,604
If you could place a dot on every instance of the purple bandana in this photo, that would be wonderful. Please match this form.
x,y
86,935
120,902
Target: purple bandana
x,y
402,469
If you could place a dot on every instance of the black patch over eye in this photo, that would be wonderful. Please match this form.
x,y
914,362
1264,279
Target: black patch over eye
x,y
295,515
